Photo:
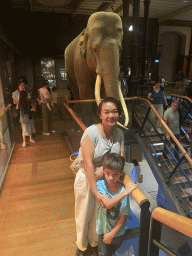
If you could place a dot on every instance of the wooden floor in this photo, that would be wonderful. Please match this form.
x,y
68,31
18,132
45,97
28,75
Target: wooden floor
x,y
37,199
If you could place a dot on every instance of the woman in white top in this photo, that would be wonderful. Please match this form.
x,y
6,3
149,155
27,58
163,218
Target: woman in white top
x,y
47,110
96,141
16,94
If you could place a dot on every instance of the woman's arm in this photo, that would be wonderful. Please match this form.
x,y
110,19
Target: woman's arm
x,y
110,203
149,96
108,237
88,150
165,99
122,148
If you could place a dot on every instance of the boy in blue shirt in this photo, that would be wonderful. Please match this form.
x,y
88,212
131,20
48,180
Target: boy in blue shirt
x,y
110,224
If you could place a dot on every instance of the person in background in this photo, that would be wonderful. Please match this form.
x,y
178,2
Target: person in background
x,y
54,102
25,81
16,94
162,81
171,118
47,109
26,120
111,219
157,97
136,171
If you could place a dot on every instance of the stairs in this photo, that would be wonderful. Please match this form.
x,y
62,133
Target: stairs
x,y
177,188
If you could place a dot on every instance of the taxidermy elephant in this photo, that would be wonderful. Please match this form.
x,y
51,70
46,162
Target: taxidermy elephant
x,y
93,57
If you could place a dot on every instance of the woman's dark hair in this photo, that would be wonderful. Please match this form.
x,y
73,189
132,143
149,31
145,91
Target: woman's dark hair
x,y
157,80
24,79
22,98
134,161
113,161
112,100
44,83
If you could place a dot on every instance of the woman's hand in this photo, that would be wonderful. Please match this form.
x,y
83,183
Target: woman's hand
x,y
99,173
107,238
151,99
129,187
99,199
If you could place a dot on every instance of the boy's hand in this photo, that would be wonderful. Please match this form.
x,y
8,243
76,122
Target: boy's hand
x,y
107,238
130,187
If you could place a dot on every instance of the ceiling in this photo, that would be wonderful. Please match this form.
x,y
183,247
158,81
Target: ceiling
x,y
46,27
161,9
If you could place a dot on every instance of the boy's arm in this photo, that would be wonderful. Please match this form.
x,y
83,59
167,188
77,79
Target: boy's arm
x,y
108,237
110,203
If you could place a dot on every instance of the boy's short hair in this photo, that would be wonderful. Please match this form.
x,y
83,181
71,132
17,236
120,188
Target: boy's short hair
x,y
113,161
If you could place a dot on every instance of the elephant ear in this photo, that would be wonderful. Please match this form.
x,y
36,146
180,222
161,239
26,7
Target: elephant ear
x,y
83,43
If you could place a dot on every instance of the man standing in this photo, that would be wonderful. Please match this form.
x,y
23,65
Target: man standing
x,y
171,118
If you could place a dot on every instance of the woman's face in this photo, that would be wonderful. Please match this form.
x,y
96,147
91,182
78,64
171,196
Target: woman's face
x,y
109,114
157,85
21,87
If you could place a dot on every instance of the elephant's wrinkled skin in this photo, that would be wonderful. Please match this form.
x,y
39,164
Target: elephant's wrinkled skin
x,y
95,51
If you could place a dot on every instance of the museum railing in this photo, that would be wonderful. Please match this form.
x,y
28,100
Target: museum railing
x,y
172,167
177,222
185,112
137,195
7,140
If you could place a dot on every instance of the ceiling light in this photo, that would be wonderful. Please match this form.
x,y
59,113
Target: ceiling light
x,y
131,28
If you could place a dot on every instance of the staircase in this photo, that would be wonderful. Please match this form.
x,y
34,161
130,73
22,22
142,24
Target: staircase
x,y
174,176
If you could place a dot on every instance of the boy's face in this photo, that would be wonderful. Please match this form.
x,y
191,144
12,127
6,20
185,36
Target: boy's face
x,y
112,176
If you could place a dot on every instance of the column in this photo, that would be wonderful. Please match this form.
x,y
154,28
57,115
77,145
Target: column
x,y
145,41
134,61
125,36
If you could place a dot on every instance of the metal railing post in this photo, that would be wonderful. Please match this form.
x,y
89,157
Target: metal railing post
x,y
144,228
155,234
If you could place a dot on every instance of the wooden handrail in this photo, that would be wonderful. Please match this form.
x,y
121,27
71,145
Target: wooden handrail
x,y
136,194
80,123
183,97
2,113
178,222
134,98
165,127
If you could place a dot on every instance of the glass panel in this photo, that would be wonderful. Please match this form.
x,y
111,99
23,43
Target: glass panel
x,y
48,70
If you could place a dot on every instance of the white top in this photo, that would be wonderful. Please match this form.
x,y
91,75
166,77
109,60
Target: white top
x,y
44,92
100,145
16,96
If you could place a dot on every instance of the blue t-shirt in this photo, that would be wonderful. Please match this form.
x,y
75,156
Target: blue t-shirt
x,y
107,218
157,96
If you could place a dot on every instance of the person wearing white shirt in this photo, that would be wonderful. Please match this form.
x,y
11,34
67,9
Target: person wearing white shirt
x,y
16,94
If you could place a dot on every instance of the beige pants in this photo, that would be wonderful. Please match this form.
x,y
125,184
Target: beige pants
x,y
85,212
154,118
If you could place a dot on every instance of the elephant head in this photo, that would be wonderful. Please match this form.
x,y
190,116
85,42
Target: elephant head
x,y
100,45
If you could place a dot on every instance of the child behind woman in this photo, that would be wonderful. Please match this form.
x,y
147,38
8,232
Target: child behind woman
x,y
111,220
26,112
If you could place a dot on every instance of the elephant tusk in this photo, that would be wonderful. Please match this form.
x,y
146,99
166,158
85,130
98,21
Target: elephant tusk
x,y
123,105
97,89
